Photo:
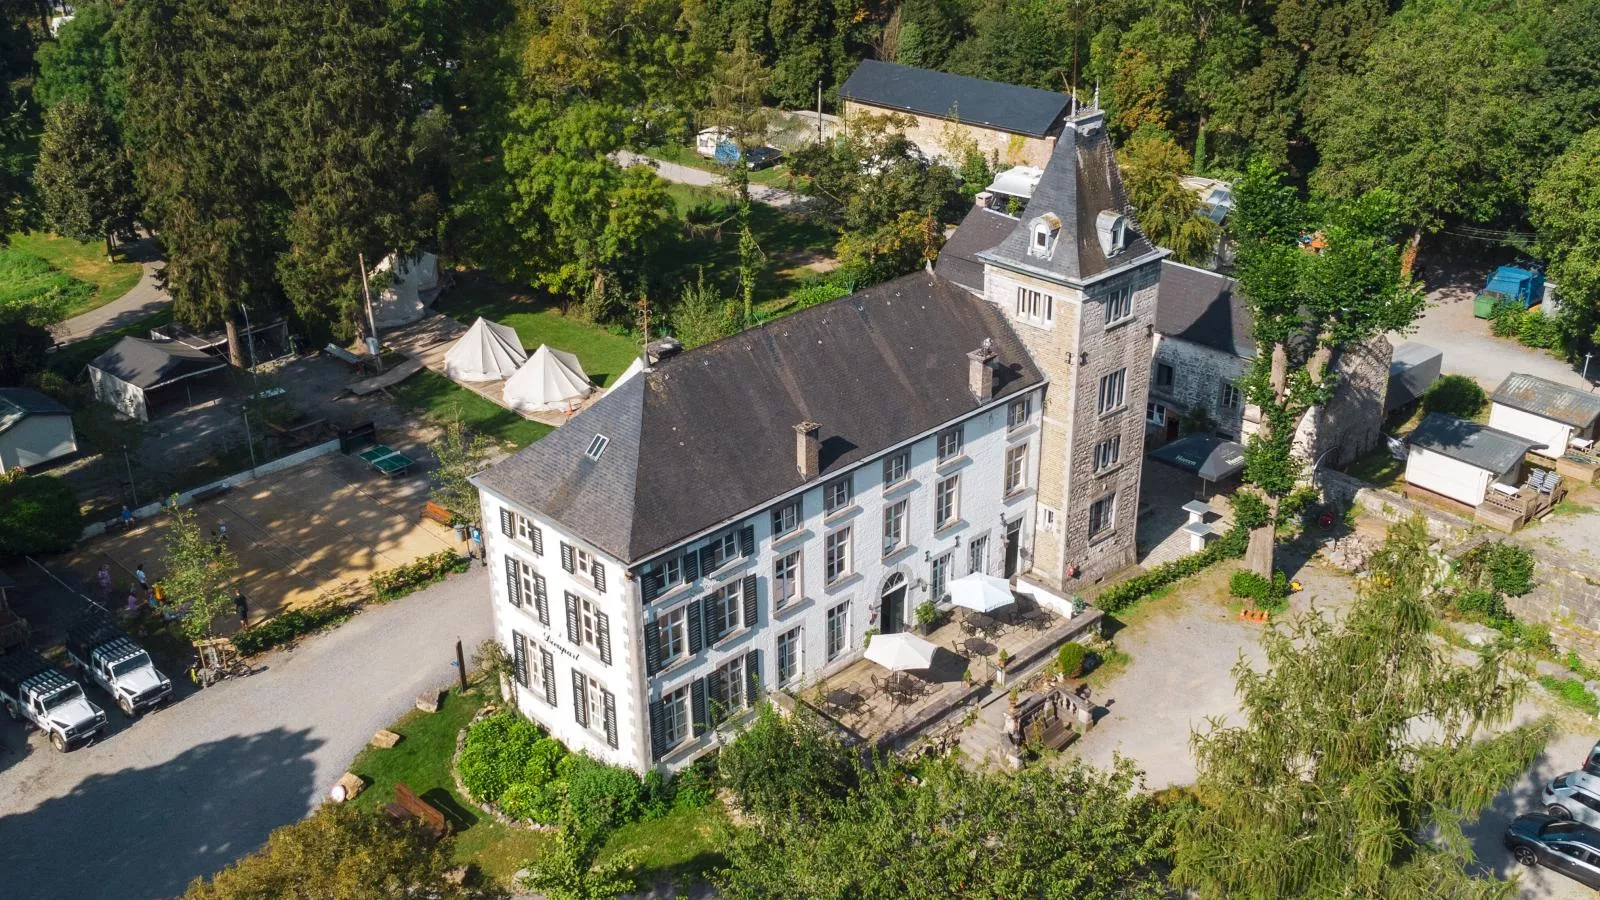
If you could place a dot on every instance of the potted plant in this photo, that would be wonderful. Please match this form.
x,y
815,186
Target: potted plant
x,y
1000,668
966,676
927,617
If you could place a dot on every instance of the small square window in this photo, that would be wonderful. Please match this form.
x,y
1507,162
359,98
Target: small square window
x,y
1017,413
1155,414
949,444
597,447
1231,396
894,468
1164,375
836,495
1107,453
1102,515
786,518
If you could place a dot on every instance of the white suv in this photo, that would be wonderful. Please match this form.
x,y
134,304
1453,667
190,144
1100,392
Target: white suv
x,y
1575,795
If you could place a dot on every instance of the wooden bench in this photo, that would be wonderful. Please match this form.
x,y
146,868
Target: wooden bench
x,y
434,511
1053,734
407,805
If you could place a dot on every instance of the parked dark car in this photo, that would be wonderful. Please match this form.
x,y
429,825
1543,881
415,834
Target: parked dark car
x,y
762,157
1568,847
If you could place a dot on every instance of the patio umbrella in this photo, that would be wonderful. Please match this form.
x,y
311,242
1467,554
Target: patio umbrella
x,y
980,592
900,651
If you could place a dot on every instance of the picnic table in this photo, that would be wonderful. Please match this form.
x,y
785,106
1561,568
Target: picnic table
x,y
387,460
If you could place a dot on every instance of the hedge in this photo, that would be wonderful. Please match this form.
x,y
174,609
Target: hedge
x,y
393,583
1265,593
286,626
1124,594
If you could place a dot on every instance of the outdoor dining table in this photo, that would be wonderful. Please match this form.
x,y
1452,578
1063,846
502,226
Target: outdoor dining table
x,y
841,700
978,622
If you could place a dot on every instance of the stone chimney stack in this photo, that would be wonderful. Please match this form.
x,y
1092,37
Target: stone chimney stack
x,y
808,449
984,199
980,371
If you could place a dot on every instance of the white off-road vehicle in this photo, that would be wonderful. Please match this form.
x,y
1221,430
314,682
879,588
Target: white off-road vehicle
x,y
119,666
33,690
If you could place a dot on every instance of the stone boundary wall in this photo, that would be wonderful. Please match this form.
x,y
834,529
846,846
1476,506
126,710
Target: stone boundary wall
x,y
1389,506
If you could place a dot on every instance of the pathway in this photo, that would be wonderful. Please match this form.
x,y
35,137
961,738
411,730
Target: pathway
x,y
1470,349
145,299
190,789
671,171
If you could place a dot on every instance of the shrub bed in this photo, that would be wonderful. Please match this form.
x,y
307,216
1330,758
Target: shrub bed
x,y
1571,692
399,581
1455,395
286,626
1265,594
1124,594
513,765
1070,658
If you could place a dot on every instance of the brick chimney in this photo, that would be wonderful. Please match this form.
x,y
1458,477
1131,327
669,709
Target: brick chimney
x,y
808,449
980,372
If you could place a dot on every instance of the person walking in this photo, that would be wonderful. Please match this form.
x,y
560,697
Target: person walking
x,y
476,537
243,606
142,579
104,579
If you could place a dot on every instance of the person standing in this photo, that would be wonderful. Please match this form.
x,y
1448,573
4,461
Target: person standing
x,y
133,599
476,537
104,579
243,606
142,579
127,517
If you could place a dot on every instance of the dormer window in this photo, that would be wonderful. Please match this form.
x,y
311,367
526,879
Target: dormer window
x,y
1045,230
1112,229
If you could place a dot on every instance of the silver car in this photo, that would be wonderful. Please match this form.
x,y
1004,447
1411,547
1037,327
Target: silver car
x,y
1576,796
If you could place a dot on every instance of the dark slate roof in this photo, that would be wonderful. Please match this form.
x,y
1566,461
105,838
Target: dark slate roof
x,y
992,104
1548,399
708,435
1080,181
148,364
17,404
1476,445
981,230
1203,308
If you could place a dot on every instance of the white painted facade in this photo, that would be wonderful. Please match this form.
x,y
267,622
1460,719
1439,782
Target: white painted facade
x,y
641,632
1447,477
1552,434
35,440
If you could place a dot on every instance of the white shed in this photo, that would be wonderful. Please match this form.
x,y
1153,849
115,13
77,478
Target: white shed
x,y
1459,459
34,429
1544,411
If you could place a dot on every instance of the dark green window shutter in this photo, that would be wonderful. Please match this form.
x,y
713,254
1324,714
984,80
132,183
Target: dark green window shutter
x,y
658,731
549,662
650,585
697,702
538,539
716,617
717,692
507,524
580,706
696,638
541,599
519,658
599,573
752,665
691,567
602,624
751,608
708,561
747,540
566,556
572,617
611,718
513,583
652,647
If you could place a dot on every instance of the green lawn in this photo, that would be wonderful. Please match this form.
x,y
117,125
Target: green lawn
x,y
441,400
679,845
788,241
85,262
538,320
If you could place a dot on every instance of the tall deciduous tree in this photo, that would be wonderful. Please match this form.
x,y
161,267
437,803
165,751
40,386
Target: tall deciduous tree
x,y
1305,307
736,94
341,852
200,571
84,62
1152,165
461,454
1364,748
84,180
18,116
1565,208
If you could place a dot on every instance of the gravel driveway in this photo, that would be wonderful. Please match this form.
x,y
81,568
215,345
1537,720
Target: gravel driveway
x,y
195,786
1469,348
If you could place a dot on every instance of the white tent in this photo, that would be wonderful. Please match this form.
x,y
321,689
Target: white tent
x,y
633,369
550,380
413,286
488,351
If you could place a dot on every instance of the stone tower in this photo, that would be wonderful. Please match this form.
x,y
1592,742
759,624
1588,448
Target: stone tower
x,y
1079,281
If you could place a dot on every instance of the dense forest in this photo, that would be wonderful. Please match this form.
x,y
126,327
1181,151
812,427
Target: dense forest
x,y
270,141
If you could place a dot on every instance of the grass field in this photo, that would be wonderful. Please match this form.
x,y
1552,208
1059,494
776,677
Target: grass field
x,y
441,400
795,247
679,844
538,320
86,263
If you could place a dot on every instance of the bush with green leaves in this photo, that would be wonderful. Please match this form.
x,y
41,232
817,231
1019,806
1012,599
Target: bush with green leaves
x,y
785,767
1455,395
1509,566
38,514
1482,602
401,580
1247,585
600,796
286,626
502,750
1070,659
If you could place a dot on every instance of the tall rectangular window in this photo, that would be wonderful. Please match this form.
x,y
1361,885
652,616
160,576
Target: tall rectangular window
x,y
836,562
1119,305
1102,515
732,682
894,468
1017,413
786,518
726,609
978,555
894,527
939,576
836,495
1113,390
1164,376
588,625
1231,398
674,635
1016,468
786,579
789,649
1107,453
596,701
946,501
838,630
949,443
675,717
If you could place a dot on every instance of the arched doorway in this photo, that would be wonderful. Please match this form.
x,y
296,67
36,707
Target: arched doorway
x,y
893,604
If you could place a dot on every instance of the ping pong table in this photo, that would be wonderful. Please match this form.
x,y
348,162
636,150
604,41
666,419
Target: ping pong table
x,y
387,460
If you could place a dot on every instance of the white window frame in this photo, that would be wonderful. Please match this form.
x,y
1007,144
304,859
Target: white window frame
x,y
837,543
1113,392
1104,509
787,571
588,623
731,597
947,501
674,635
1108,453
894,526
1018,412
1016,469
524,529
838,624
786,519
836,495
978,555
675,716
724,549
1156,413
948,444
671,572
1047,519
1231,392
794,640
583,563
597,447
595,703
736,681
895,467
939,575
1034,306
1119,306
